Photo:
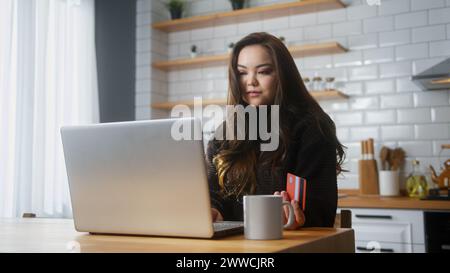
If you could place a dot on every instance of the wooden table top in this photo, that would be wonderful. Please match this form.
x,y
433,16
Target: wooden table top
x,y
59,235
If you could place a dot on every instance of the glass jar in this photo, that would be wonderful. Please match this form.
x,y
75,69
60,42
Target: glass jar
x,y
317,84
329,83
416,183
307,83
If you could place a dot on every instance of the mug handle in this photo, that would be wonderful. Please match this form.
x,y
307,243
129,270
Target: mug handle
x,y
291,214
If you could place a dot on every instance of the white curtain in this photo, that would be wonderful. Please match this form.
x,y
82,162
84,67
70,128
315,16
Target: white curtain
x,y
48,78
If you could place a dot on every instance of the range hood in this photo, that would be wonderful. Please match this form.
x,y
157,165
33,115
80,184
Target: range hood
x,y
435,78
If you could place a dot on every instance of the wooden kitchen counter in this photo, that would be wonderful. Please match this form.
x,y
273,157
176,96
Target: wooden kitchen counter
x,y
351,200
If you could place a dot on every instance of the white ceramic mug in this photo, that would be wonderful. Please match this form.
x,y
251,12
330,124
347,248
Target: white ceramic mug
x,y
389,184
263,217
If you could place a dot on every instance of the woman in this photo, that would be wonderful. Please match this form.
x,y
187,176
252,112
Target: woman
x,y
262,72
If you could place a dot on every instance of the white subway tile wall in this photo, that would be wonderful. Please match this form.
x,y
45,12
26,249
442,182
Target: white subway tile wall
x,y
410,20
387,45
439,16
394,7
392,38
427,34
363,41
414,116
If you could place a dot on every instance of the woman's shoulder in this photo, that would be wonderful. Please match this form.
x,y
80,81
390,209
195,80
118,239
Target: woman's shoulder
x,y
312,129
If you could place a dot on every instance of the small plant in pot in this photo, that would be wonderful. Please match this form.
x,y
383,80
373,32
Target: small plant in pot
x,y
237,4
176,8
193,51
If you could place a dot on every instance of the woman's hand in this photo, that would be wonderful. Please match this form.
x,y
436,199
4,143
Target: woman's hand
x,y
216,215
299,215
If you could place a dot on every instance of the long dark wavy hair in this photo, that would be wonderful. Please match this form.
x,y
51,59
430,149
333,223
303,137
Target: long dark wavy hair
x,y
236,162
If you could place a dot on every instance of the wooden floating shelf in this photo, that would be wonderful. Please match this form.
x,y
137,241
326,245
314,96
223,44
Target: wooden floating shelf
x,y
248,14
329,95
296,52
168,105
318,95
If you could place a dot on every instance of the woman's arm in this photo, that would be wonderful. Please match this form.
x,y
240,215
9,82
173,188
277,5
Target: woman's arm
x,y
316,161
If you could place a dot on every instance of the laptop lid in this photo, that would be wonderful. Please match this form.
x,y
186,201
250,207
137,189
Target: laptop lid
x,y
135,178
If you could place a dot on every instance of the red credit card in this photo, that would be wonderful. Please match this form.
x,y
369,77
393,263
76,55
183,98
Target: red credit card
x,y
296,189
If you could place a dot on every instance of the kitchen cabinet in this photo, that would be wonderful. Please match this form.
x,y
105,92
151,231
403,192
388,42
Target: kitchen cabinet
x,y
388,230
383,247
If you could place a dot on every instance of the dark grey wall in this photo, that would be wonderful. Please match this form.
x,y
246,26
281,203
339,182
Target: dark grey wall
x,y
115,28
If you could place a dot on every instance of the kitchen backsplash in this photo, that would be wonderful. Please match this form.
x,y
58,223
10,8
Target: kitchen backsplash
x,y
387,45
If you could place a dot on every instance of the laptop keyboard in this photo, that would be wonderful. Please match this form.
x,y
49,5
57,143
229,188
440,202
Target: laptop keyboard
x,y
220,226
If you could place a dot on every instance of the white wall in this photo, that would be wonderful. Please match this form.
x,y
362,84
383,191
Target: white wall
x,y
387,45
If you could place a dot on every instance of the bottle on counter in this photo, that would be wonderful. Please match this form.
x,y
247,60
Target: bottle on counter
x,y
416,183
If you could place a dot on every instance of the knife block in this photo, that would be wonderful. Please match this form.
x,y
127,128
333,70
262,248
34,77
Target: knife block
x,y
368,176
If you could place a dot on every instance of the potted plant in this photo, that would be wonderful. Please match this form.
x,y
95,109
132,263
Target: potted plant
x,y
193,51
176,8
237,4
230,47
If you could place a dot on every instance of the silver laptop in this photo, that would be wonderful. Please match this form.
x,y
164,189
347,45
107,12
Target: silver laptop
x,y
135,178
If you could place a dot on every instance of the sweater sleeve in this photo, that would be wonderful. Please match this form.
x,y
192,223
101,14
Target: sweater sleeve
x,y
217,201
316,162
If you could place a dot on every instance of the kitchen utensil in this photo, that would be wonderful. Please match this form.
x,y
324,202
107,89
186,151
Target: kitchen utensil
x,y
368,176
384,154
363,149
390,158
442,179
398,158
368,171
370,148
366,149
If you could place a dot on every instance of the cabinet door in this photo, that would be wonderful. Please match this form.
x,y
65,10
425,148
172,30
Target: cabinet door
x,y
379,231
388,225
382,247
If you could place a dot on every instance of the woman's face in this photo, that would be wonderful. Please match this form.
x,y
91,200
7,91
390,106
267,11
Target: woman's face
x,y
257,76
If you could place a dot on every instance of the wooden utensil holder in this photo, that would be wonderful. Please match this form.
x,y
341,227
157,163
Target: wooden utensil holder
x,y
368,176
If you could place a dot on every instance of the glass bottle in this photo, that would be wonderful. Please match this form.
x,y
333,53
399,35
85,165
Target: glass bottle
x,y
416,183
317,84
329,83
307,83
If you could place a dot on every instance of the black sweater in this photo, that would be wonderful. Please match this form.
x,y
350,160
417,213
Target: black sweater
x,y
310,156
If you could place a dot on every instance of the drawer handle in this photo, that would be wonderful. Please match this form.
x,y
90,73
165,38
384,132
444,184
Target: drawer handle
x,y
373,216
389,250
